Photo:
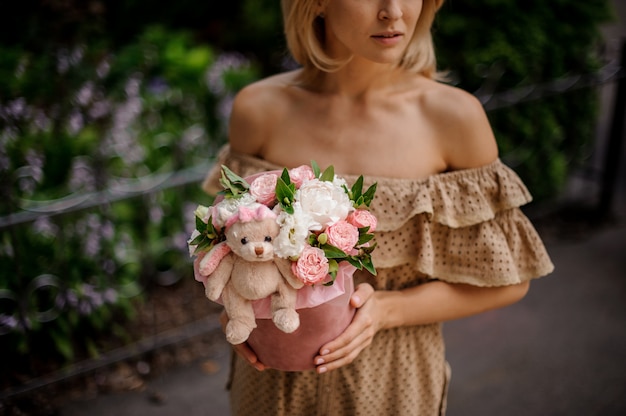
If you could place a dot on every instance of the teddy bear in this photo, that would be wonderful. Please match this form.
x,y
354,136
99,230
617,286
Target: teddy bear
x,y
247,270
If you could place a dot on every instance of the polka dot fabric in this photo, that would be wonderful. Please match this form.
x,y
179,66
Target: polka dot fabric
x,y
460,227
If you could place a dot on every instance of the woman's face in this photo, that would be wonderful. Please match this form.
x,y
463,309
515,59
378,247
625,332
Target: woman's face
x,y
376,30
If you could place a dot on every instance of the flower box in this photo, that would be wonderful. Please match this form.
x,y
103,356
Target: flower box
x,y
279,251
318,325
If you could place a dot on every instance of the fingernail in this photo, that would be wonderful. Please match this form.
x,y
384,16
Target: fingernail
x,y
319,361
326,351
322,370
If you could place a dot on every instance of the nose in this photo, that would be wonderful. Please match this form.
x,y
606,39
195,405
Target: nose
x,y
390,10
258,251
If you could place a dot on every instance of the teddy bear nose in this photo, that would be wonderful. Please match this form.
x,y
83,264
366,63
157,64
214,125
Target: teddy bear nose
x,y
258,251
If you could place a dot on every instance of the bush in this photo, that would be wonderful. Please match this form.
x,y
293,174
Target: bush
x,y
87,122
510,45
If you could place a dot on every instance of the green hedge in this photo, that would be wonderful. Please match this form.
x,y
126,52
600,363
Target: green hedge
x,y
93,119
530,42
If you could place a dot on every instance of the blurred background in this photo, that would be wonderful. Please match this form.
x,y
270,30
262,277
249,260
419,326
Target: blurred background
x,y
111,113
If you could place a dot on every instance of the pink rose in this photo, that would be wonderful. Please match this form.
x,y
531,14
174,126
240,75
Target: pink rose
x,y
363,218
300,175
343,235
263,189
311,267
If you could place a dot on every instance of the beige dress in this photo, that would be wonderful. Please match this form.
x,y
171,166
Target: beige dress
x,y
459,227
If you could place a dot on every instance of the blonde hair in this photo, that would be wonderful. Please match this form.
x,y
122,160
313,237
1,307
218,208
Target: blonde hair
x,y
304,31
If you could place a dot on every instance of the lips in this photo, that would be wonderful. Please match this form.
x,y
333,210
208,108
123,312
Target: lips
x,y
388,38
387,35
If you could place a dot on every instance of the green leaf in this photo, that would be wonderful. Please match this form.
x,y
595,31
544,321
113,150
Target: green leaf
x,y
355,262
332,252
204,246
201,226
329,174
364,238
316,168
210,228
369,266
232,176
369,249
368,196
234,184
285,176
285,194
197,240
357,188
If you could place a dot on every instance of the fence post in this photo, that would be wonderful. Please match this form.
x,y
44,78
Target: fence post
x,y
616,138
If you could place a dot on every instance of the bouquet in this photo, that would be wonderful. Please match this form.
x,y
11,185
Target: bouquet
x,y
316,231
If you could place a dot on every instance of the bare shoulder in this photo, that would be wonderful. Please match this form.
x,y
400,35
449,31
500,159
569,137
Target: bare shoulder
x,y
256,110
461,125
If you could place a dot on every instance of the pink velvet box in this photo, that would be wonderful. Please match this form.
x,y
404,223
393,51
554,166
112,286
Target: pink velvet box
x,y
318,325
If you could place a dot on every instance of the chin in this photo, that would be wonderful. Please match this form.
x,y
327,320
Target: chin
x,y
390,58
393,62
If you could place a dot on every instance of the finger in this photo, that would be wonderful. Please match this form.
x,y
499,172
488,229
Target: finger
x,y
346,347
244,351
360,330
359,334
343,356
356,344
361,294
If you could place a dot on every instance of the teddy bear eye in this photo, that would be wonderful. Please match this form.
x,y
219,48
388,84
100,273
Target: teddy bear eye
x,y
268,238
244,241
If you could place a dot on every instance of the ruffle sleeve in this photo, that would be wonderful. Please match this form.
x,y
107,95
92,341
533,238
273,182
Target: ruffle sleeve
x,y
464,226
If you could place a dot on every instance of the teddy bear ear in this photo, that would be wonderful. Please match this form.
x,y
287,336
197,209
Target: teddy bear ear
x,y
263,212
258,213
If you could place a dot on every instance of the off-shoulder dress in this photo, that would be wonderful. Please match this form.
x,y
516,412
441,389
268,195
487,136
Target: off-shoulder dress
x,y
462,226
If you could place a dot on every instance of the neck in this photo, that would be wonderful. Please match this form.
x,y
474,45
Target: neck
x,y
358,79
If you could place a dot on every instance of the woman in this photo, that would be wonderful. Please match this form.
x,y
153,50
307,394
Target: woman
x,y
452,241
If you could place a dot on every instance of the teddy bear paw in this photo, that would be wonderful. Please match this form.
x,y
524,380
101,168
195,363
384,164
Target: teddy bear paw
x,y
287,320
212,293
237,332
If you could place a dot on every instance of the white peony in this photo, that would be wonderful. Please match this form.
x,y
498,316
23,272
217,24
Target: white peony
x,y
294,232
339,182
226,208
324,201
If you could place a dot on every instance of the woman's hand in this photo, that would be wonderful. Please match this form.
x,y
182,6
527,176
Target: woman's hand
x,y
357,336
243,350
